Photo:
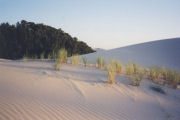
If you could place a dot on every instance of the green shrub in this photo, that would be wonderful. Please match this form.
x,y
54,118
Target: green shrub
x,y
75,60
84,59
111,70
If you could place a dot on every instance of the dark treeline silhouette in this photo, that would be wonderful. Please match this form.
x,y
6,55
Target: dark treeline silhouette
x,y
30,39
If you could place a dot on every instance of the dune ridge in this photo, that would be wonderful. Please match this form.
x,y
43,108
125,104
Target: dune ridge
x,y
163,53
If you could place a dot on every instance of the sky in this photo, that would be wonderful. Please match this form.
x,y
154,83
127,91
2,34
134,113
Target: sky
x,y
103,24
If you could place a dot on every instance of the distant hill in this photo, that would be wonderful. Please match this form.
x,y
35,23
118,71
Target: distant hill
x,y
160,53
30,39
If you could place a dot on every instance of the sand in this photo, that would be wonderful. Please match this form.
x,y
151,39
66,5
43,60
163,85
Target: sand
x,y
33,90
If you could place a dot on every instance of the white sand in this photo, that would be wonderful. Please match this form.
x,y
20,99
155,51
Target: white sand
x,y
33,90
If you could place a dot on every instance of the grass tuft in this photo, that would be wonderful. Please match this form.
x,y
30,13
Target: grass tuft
x,y
164,76
75,60
129,69
57,64
61,57
111,70
118,66
101,62
137,77
84,59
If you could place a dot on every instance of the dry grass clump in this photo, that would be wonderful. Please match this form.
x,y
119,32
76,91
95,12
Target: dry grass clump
x,y
84,59
137,77
135,73
135,68
155,74
75,60
173,78
61,57
164,76
129,69
111,70
57,64
118,66
101,62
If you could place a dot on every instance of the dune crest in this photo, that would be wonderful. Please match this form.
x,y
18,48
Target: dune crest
x,y
163,53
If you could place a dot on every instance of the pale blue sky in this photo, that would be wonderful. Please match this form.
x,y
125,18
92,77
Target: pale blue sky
x,y
100,23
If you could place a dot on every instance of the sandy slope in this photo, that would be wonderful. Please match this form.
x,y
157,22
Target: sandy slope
x,y
164,53
33,90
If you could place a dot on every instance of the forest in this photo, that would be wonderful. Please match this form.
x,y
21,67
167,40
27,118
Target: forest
x,y
32,40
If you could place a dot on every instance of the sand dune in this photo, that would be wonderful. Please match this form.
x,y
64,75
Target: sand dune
x,y
33,90
165,53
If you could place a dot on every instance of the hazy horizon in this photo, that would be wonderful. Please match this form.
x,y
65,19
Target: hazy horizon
x,y
101,24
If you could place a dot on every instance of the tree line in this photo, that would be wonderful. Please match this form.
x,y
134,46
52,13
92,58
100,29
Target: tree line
x,y
30,39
